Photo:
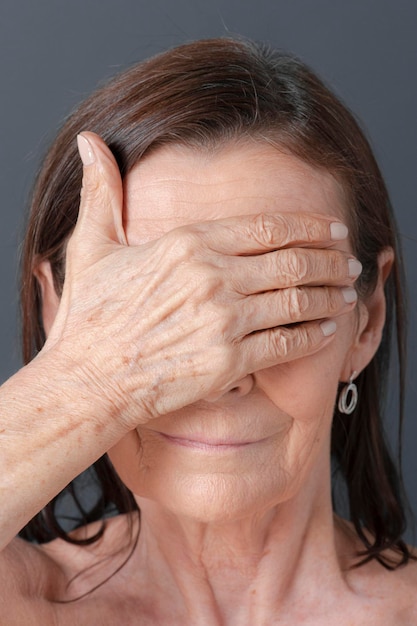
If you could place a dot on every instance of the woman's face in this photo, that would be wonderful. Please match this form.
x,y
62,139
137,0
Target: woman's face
x,y
275,423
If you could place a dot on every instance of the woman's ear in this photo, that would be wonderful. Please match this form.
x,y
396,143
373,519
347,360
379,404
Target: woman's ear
x,y
50,298
371,320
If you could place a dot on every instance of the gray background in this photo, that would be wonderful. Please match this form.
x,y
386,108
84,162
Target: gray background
x,y
53,53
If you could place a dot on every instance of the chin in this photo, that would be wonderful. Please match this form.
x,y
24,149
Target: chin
x,y
211,500
214,498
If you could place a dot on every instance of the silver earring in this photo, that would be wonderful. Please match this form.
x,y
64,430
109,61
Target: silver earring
x,y
348,398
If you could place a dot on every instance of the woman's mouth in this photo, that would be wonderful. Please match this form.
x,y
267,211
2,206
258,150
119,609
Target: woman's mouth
x,y
209,445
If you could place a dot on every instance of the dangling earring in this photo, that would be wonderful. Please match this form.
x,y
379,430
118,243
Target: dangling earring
x,y
348,398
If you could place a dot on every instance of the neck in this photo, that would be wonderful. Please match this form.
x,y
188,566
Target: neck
x,y
242,571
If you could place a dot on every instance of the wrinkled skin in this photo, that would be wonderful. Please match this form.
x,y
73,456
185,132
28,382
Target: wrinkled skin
x,y
175,329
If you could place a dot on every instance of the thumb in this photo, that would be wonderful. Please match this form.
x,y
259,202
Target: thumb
x,y
101,204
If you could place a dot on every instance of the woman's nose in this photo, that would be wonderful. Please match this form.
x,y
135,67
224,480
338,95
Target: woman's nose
x,y
236,389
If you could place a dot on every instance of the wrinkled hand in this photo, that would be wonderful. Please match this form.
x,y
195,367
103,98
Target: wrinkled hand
x,y
155,327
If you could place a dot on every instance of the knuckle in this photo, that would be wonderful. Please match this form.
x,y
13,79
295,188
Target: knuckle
x,y
206,283
292,341
263,229
301,340
91,190
298,302
202,279
216,318
183,241
334,264
286,343
283,343
226,321
295,264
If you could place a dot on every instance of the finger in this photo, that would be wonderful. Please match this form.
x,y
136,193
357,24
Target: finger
x,y
285,344
292,267
292,306
260,233
101,205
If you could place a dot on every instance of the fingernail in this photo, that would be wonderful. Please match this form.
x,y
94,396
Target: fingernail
x,y
355,267
328,327
349,295
86,150
338,231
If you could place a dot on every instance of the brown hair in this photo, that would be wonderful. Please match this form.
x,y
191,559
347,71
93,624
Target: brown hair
x,y
201,94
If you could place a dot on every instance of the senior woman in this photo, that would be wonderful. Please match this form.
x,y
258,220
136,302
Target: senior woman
x,y
211,344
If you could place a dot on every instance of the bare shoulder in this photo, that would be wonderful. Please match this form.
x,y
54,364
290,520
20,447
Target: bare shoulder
x,y
30,570
23,567
26,575
405,589
390,593
393,591
38,583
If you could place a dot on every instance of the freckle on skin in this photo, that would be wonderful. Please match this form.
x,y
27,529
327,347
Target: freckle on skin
x,y
98,428
39,409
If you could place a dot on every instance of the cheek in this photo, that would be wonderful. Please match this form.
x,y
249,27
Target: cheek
x,y
300,389
306,388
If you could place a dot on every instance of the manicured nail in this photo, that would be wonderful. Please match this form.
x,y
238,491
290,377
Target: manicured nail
x,y
86,150
328,327
349,295
355,267
338,231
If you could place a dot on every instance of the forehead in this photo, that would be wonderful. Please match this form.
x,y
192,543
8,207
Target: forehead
x,y
177,185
